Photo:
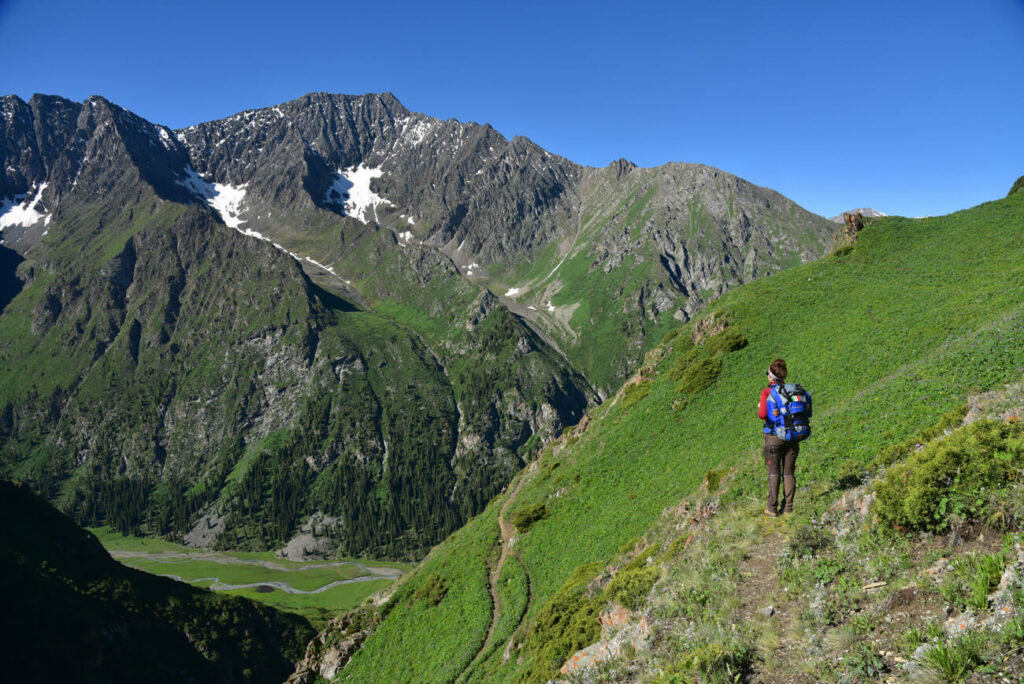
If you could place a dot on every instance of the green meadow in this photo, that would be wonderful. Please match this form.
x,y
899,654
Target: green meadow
x,y
199,568
889,336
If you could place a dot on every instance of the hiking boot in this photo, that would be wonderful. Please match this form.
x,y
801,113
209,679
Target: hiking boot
x,y
770,513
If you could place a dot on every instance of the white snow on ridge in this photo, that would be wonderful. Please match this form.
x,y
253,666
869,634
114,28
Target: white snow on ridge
x,y
19,212
351,191
225,199
418,132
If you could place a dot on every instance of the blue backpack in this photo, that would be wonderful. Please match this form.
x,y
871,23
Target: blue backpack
x,y
789,413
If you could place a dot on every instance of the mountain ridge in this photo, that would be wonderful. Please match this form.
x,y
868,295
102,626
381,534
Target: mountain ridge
x,y
441,223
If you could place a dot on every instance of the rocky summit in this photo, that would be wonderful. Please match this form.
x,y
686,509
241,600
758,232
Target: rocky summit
x,y
334,323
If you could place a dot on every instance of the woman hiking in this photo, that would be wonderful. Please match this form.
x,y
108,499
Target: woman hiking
x,y
780,454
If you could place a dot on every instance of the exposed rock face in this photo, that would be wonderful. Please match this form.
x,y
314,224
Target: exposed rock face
x,y
333,307
330,650
621,630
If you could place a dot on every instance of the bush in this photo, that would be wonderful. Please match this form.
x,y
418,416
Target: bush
x,y
525,517
683,362
951,477
566,623
699,376
630,586
433,590
728,340
635,393
1017,187
890,454
808,540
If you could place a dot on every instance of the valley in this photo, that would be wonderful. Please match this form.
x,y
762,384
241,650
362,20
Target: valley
x,y
316,590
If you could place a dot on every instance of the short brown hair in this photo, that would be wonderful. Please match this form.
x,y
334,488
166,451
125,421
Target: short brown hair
x,y
778,368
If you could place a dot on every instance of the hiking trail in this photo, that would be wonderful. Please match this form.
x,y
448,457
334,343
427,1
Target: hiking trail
x,y
507,531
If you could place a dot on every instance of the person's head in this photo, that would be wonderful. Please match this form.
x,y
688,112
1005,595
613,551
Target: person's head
x,y
777,371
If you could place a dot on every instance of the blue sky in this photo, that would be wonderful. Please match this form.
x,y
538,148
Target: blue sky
x,y
911,107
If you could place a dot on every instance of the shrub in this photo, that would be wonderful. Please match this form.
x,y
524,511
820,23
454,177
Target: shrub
x,y
699,376
635,393
670,335
525,517
728,340
1017,187
892,453
683,362
566,623
808,540
630,586
433,590
714,478
952,477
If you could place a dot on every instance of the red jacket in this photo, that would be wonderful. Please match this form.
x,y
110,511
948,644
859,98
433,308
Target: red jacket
x,y
762,406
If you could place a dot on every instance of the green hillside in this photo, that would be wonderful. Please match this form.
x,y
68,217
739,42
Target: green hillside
x,y
889,335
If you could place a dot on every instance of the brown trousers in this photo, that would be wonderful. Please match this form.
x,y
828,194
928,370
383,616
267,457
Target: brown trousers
x,y
780,459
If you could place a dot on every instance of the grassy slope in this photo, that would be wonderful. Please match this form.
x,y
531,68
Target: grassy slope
x,y
888,337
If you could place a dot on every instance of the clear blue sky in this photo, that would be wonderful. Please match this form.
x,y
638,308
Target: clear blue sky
x,y
913,107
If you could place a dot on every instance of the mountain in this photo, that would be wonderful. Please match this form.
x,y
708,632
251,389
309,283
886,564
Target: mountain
x,y
635,543
867,212
333,317
78,615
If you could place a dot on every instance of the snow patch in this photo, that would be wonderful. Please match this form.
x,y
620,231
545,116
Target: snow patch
x,y
513,292
351,192
417,132
22,212
532,308
225,199
406,235
411,221
551,307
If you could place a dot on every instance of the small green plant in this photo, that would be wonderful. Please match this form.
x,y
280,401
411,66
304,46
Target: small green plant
x,y
712,662
863,662
909,640
987,574
525,517
808,541
954,660
433,590
699,376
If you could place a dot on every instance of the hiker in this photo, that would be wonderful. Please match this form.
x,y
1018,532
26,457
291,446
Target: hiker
x,y
781,436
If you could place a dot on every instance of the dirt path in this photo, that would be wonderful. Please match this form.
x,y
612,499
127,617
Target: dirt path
x,y
763,601
507,530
